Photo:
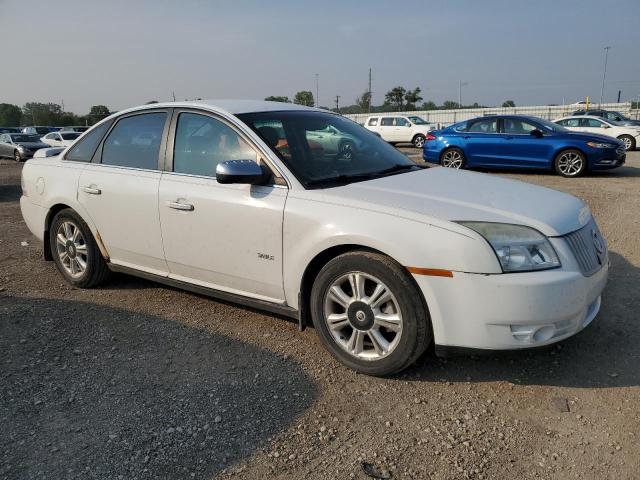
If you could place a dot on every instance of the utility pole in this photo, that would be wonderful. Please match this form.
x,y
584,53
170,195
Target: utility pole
x,y
338,103
370,93
317,94
462,84
604,73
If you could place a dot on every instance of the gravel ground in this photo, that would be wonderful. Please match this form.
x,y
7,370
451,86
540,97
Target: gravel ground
x,y
135,380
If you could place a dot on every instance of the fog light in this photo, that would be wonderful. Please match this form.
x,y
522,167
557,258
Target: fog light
x,y
544,333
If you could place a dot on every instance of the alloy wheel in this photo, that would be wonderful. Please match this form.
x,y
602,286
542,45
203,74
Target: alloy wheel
x,y
452,159
71,248
628,143
570,164
363,316
419,142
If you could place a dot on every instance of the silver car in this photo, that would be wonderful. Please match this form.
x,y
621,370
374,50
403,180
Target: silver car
x,y
20,146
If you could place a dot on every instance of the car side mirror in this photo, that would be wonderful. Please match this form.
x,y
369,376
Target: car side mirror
x,y
241,171
536,133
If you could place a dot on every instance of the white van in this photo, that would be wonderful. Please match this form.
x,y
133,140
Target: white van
x,y
399,128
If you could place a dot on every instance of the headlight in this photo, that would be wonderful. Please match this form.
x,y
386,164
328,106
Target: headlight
x,y
600,145
518,248
21,148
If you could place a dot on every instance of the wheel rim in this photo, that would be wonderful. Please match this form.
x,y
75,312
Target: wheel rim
x,y
72,249
419,142
363,316
17,157
627,143
452,159
570,163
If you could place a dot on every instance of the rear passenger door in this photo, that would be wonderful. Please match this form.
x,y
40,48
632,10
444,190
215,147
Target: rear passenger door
x,y
119,190
482,144
387,129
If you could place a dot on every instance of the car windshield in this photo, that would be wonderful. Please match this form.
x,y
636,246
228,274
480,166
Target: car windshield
x,y
418,121
323,149
25,138
554,127
70,135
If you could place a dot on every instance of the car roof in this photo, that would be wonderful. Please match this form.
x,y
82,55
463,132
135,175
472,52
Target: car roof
x,y
583,116
231,106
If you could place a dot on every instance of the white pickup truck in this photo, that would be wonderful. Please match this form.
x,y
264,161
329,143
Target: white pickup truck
x,y
399,128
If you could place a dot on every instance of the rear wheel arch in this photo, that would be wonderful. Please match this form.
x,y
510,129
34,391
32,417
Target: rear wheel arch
x,y
49,220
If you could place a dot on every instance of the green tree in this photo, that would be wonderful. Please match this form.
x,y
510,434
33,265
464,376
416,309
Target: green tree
x,y
98,112
429,105
412,97
450,105
37,113
395,97
277,98
10,115
305,97
509,103
364,101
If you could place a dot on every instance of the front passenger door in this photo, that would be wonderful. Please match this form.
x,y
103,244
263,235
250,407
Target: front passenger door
x,y
222,236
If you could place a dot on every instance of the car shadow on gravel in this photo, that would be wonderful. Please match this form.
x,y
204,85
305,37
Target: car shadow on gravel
x,y
98,392
604,355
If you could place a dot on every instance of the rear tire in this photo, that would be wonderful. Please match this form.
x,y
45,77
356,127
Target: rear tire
x,y
629,142
377,323
75,251
570,163
453,158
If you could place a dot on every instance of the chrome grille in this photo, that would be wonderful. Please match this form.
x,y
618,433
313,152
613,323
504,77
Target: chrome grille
x,y
583,245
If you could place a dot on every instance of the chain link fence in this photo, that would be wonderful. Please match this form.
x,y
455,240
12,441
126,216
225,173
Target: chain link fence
x,y
443,118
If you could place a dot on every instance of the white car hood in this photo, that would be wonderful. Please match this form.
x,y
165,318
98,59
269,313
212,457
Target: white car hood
x,y
450,195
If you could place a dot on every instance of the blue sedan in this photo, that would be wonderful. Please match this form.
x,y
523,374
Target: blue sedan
x,y
516,141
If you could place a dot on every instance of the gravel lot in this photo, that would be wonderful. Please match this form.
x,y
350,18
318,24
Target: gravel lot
x,y
136,380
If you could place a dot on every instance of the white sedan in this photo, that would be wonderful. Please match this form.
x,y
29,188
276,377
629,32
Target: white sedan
x,y
628,134
383,257
60,139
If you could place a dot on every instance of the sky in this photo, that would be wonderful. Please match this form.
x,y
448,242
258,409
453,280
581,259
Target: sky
x,y
123,53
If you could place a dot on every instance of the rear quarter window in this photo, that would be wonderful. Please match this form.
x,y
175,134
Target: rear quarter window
x,y
373,121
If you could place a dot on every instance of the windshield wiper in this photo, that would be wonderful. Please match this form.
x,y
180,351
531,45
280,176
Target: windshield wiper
x,y
346,179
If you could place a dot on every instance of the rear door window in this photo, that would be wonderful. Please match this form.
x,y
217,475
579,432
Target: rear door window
x,y
135,141
483,126
386,122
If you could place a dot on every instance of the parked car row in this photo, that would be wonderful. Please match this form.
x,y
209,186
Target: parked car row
x,y
22,146
399,128
571,145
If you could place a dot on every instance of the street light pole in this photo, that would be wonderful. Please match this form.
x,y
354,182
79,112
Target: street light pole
x,y
604,73
461,84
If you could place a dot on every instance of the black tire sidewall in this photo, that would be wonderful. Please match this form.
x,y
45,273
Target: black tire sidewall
x,y
416,138
582,170
416,333
16,156
93,253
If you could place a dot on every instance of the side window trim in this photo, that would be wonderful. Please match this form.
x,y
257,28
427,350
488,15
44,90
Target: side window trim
x,y
91,159
280,179
97,157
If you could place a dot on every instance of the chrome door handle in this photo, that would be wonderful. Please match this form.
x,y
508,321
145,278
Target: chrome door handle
x,y
180,206
91,189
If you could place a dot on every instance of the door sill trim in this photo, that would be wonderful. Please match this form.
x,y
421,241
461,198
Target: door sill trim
x,y
263,305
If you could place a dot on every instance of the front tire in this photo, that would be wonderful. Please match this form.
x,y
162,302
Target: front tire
x,y
570,163
629,142
369,313
453,158
75,251
418,141
17,157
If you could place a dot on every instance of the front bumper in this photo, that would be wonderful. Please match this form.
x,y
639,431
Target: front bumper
x,y
512,311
